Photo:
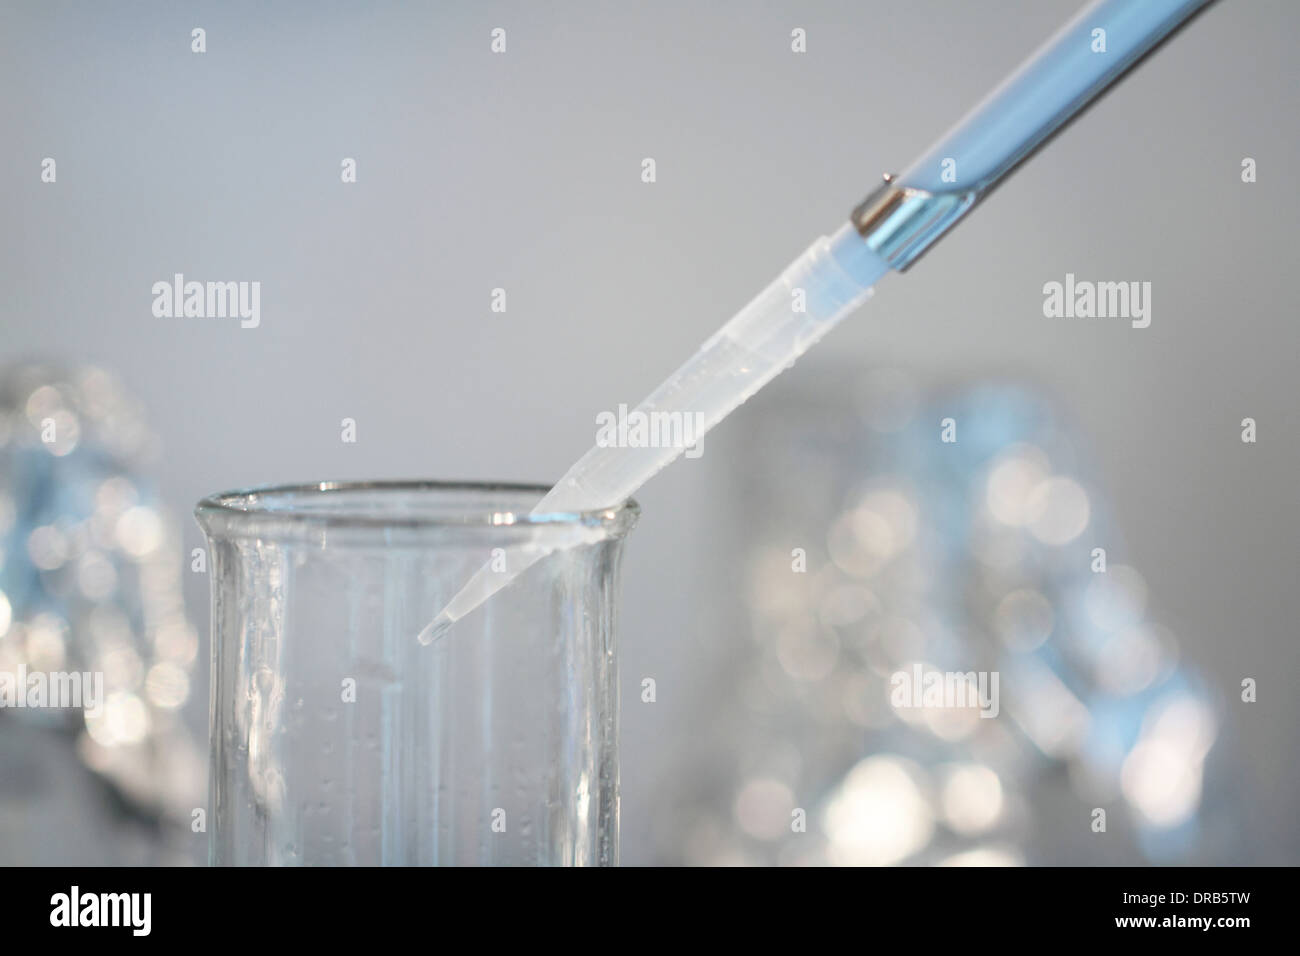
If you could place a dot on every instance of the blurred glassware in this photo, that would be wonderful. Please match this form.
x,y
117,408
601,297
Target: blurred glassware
x,y
90,583
883,549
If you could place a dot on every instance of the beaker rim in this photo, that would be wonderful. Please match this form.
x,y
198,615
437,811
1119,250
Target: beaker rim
x,y
325,504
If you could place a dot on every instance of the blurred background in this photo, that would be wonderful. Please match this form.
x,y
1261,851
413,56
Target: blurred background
x,y
522,171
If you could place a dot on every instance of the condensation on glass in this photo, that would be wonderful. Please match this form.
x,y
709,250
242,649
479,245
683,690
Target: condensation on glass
x,y
339,739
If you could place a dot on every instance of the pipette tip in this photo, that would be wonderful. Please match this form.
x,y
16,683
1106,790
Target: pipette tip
x,y
439,626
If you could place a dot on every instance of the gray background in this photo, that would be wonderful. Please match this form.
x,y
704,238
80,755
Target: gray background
x,y
522,171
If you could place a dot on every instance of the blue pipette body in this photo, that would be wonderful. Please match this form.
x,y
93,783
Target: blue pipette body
x,y
1066,74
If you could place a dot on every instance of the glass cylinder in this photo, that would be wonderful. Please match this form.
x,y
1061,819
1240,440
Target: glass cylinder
x,y
339,739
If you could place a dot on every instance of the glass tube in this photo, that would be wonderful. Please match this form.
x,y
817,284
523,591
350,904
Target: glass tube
x,y
339,739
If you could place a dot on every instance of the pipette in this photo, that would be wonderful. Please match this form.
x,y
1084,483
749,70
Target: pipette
x,y
888,231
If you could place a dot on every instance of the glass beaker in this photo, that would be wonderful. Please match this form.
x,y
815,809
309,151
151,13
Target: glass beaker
x,y
339,739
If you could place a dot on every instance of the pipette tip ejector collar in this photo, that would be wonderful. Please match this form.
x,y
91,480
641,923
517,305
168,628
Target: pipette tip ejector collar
x,y
900,222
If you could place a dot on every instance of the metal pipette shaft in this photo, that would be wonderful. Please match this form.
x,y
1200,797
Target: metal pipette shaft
x,y
890,229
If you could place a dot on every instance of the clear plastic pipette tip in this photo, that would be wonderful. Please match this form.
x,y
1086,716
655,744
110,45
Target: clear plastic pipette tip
x,y
832,277
439,626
